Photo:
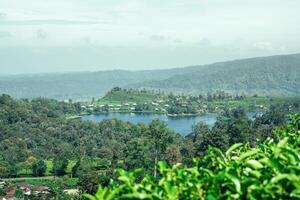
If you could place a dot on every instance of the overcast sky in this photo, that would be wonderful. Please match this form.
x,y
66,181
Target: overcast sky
x,y
88,35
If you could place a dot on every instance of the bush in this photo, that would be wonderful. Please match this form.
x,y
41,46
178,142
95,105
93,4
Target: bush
x,y
269,171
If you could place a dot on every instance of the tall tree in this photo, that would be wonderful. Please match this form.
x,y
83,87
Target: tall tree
x,y
160,136
60,165
39,168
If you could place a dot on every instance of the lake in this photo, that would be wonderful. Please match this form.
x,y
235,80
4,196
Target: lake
x,y
180,124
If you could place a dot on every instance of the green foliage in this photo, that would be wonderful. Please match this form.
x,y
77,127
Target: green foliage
x,y
268,171
159,136
2,192
4,169
39,168
65,183
119,96
19,193
60,165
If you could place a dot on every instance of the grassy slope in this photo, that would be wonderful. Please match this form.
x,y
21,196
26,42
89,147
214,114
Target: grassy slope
x,y
120,97
49,165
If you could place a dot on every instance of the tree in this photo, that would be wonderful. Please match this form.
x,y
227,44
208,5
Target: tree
x,y
29,163
173,155
60,165
4,169
19,194
39,168
160,136
137,154
2,192
87,175
89,181
200,136
75,168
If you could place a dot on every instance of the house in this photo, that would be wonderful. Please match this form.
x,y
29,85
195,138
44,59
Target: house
x,y
27,190
72,192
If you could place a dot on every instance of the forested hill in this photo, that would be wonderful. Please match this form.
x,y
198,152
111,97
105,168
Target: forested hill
x,y
76,86
275,75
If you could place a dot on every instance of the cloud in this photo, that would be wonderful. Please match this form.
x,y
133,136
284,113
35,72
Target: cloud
x,y
157,37
205,42
48,22
262,46
177,41
41,34
2,16
5,34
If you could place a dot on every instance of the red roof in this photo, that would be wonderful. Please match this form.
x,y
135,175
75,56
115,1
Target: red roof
x,y
24,185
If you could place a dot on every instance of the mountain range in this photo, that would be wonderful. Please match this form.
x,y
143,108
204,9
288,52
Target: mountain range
x,y
272,76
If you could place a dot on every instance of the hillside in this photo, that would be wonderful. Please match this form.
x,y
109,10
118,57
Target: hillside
x,y
275,75
77,86
148,101
118,96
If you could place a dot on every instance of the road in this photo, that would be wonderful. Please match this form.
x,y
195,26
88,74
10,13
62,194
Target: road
x,y
30,178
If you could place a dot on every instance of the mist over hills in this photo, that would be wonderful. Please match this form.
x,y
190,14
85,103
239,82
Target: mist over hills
x,y
275,75
76,86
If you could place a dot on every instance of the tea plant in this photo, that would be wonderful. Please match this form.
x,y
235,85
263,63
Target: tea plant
x,y
269,171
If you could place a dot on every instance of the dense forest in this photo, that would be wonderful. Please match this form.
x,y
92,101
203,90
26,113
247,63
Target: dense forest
x,y
268,171
37,133
276,75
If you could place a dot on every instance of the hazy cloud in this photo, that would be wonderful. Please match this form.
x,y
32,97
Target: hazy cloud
x,y
5,34
205,42
157,37
47,22
41,34
2,16
177,41
262,46
133,34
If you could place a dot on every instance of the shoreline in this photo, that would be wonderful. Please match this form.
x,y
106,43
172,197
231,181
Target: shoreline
x,y
139,112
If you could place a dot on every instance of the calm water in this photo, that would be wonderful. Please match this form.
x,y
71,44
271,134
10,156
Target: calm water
x,y
182,125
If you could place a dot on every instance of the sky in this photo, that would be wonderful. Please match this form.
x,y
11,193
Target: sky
x,y
41,36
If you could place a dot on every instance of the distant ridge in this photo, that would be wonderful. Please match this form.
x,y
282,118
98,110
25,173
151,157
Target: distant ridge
x,y
274,75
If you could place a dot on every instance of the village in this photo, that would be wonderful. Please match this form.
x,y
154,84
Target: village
x,y
144,101
10,190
